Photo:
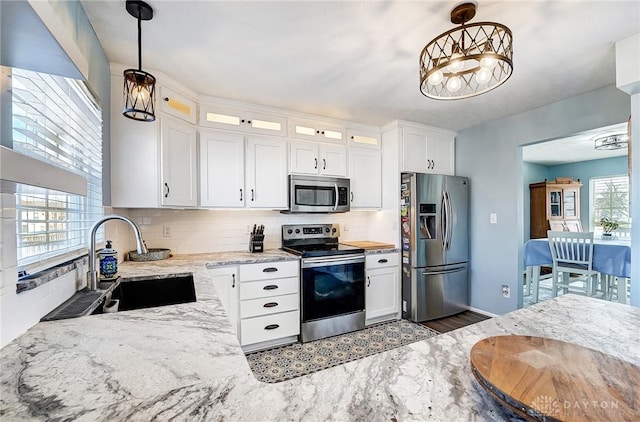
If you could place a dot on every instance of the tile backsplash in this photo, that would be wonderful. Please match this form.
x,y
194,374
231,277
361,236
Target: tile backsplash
x,y
201,231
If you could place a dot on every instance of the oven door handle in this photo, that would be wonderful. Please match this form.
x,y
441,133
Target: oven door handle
x,y
324,261
335,206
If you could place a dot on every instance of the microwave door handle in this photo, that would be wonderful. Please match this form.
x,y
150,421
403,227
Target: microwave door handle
x,y
335,206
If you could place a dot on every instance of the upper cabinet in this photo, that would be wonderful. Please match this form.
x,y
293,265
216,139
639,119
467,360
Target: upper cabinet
x,y
178,169
222,169
365,172
222,117
176,105
427,150
239,171
318,159
316,131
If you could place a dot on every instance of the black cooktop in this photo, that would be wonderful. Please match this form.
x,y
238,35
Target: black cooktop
x,y
308,251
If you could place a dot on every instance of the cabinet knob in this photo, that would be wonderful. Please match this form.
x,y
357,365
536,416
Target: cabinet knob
x,y
166,99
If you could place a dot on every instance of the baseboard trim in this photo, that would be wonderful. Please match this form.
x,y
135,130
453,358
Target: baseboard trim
x,y
480,311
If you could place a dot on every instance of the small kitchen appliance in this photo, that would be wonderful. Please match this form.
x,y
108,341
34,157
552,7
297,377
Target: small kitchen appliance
x,y
435,245
314,194
332,280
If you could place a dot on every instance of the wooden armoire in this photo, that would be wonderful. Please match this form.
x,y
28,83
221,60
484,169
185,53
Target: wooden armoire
x,y
555,205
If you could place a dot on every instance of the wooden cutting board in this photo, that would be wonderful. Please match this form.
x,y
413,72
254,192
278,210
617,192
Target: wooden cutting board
x,y
546,379
368,245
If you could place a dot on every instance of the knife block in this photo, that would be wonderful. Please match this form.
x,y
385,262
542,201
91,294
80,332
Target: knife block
x,y
256,243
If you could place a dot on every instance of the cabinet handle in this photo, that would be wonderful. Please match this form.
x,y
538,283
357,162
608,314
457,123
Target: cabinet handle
x,y
240,194
369,281
166,99
324,164
166,194
249,122
323,132
351,196
252,195
270,287
242,121
351,136
382,261
270,305
233,281
317,131
271,327
270,270
316,164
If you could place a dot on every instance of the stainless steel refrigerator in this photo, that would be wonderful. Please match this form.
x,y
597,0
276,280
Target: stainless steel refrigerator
x,y
434,221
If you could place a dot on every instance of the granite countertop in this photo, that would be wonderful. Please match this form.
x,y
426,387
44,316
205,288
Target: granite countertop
x,y
184,362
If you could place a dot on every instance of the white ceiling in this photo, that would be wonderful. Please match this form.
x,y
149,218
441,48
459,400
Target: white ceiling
x,y
579,147
358,60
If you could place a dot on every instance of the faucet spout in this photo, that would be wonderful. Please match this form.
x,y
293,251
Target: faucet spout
x,y
92,274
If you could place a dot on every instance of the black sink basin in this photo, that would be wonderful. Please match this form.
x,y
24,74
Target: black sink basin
x,y
151,292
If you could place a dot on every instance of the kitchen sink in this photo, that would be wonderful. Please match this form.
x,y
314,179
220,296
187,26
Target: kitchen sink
x,y
151,292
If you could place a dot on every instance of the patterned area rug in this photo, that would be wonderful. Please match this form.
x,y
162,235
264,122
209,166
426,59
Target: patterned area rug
x,y
287,362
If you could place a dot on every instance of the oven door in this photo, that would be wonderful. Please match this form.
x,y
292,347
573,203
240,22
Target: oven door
x,y
318,194
332,286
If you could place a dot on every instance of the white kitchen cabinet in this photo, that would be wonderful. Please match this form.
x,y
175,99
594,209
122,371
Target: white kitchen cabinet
x,y
427,150
365,172
177,105
318,159
269,304
222,164
226,282
316,131
266,173
363,138
222,117
383,288
178,163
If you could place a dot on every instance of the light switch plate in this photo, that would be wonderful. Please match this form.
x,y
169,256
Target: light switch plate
x,y
493,218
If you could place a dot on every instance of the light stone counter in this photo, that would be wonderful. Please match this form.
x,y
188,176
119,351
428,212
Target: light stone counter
x,y
183,362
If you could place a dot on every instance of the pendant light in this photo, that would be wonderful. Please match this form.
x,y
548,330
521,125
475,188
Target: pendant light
x,y
468,60
139,86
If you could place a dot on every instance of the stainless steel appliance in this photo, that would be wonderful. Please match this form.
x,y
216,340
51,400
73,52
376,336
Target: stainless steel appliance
x,y
435,245
332,280
318,194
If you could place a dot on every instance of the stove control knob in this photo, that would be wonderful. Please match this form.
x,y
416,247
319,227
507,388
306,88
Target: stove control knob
x,y
327,230
333,230
289,231
297,231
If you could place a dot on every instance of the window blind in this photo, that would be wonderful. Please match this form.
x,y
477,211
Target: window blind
x,y
610,198
57,120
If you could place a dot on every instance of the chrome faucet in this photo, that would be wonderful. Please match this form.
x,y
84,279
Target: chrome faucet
x,y
92,274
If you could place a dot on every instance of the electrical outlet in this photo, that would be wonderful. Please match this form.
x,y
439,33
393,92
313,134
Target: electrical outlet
x,y
493,218
345,227
167,231
506,291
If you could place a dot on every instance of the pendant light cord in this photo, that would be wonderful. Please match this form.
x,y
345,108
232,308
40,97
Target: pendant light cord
x,y
139,37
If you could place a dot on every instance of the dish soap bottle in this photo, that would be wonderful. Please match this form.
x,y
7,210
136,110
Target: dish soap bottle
x,y
108,262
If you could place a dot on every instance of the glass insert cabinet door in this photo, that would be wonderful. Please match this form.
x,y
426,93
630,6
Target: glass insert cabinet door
x,y
555,203
570,200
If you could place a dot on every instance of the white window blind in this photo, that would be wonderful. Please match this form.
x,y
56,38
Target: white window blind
x,y
57,120
610,198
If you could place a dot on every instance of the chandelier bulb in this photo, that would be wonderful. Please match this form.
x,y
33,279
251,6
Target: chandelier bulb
x,y
454,84
483,75
488,62
436,78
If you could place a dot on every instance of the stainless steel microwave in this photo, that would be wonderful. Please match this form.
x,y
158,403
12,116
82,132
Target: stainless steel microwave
x,y
318,194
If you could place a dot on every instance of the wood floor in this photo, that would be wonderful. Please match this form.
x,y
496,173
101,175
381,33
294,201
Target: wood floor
x,y
444,325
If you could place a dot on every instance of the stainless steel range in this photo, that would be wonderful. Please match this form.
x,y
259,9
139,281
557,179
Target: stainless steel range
x,y
332,281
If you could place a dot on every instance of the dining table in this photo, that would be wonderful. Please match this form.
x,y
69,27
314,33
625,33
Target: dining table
x,y
610,257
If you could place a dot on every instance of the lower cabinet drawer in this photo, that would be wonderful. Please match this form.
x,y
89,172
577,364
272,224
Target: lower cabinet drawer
x,y
269,327
266,288
268,305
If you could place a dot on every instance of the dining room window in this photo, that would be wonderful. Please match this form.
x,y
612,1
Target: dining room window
x,y
609,197
58,121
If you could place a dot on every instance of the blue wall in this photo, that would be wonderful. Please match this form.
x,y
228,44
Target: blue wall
x,y
491,155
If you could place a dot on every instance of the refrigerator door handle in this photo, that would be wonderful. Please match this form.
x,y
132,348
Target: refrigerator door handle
x,y
443,220
449,222
452,270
